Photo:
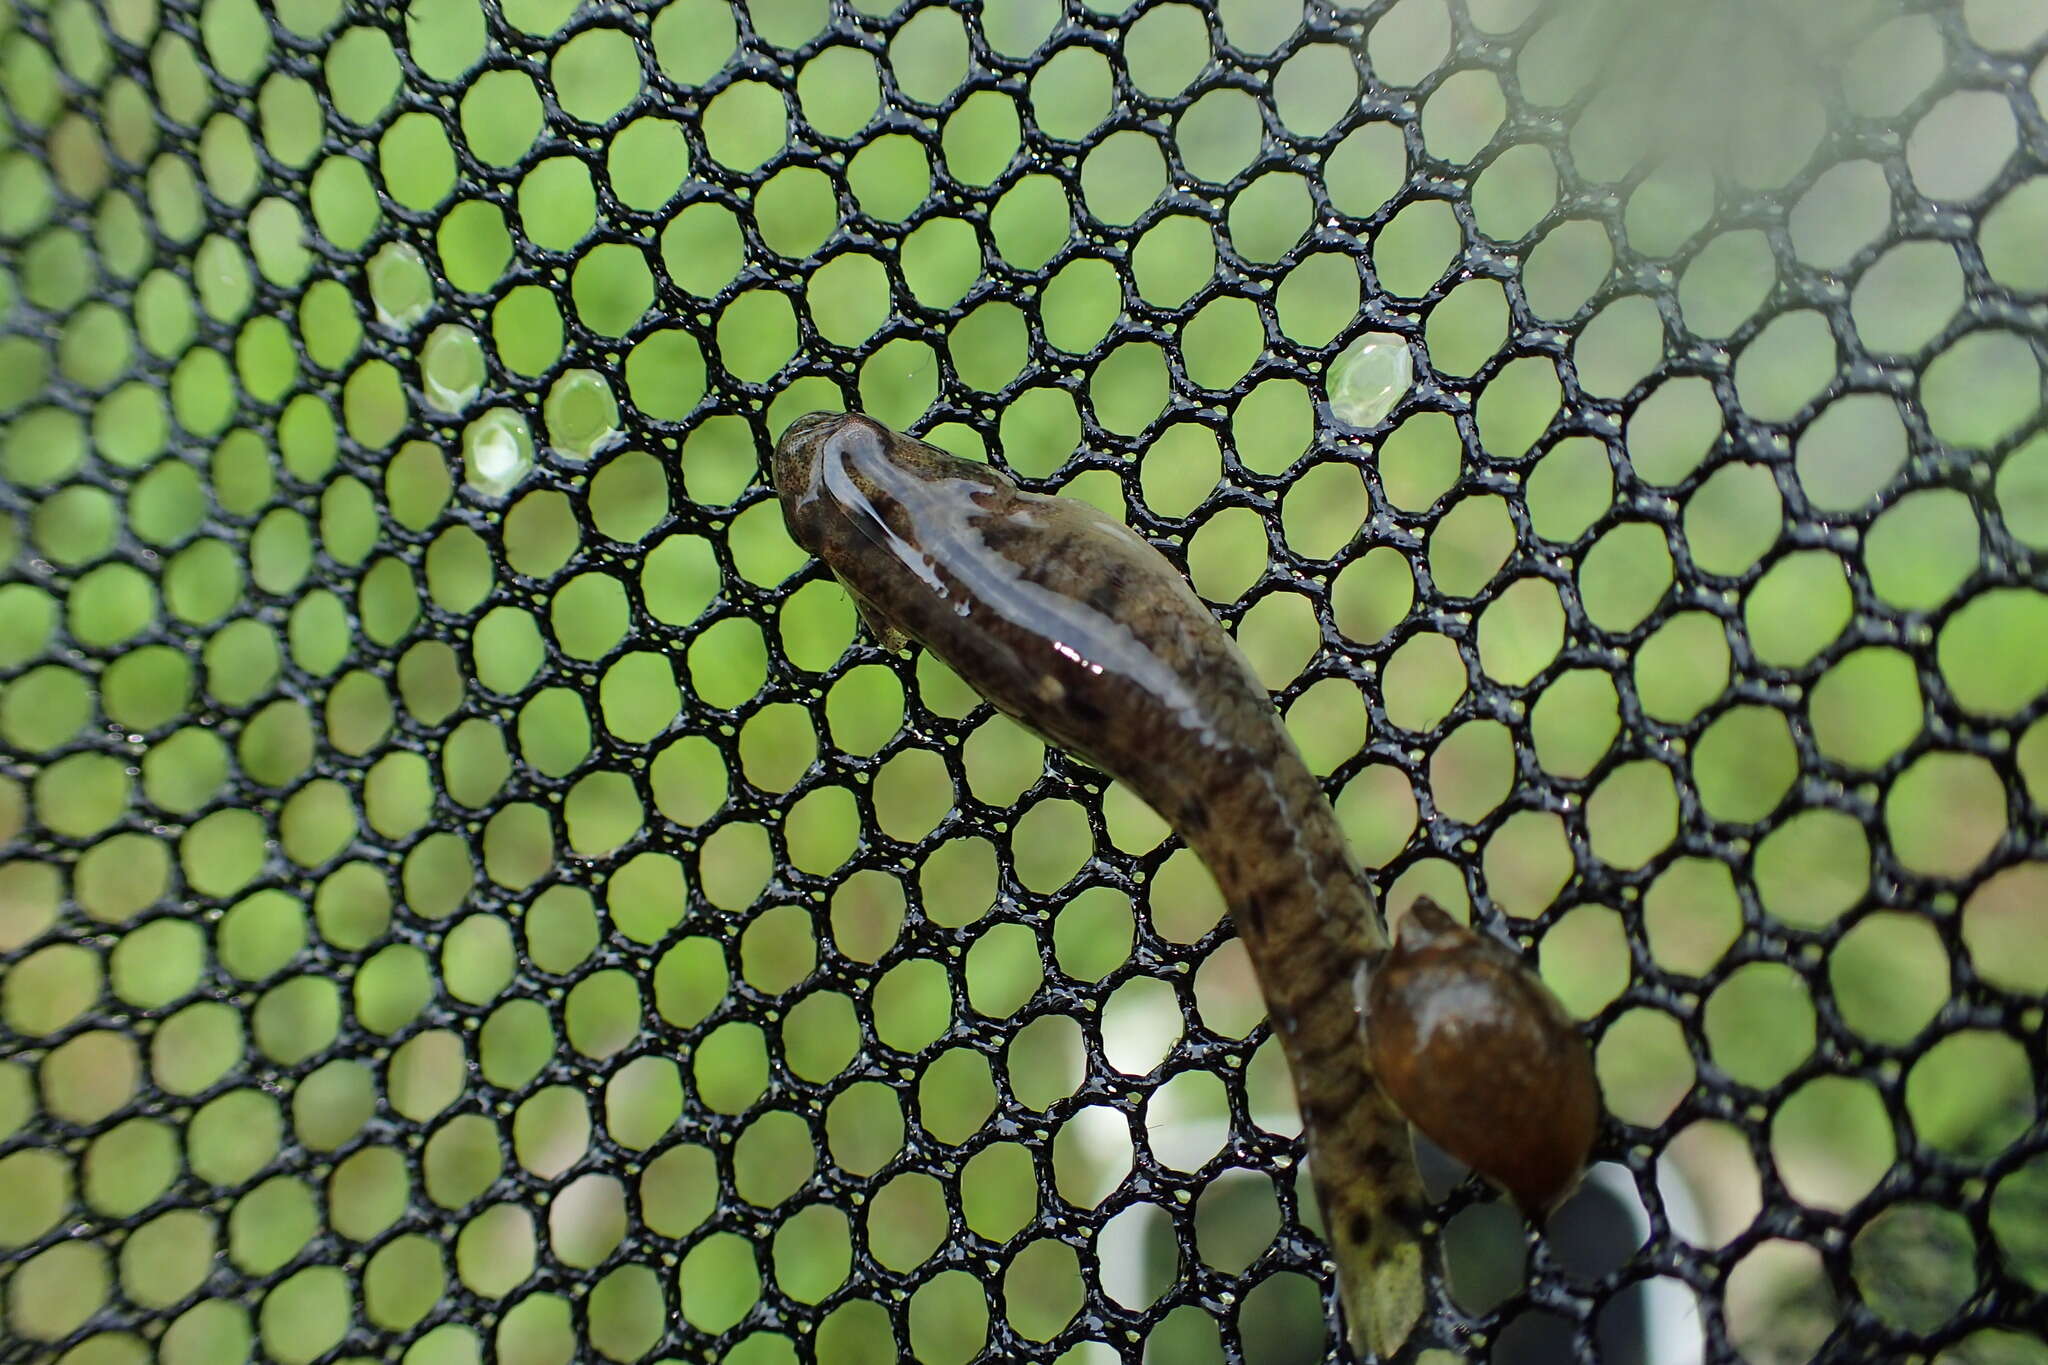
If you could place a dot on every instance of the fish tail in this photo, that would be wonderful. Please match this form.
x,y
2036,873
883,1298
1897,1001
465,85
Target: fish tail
x,y
1372,1200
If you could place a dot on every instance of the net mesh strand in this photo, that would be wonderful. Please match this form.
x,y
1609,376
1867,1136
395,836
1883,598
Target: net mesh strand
x,y
465,893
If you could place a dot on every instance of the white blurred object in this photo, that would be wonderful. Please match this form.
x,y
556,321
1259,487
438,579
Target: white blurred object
x,y
1369,378
1671,1316
497,451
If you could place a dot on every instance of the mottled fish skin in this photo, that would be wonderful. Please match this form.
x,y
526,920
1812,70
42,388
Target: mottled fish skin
x,y
1068,622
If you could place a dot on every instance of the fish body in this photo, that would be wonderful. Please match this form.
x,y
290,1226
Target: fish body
x,y
1071,624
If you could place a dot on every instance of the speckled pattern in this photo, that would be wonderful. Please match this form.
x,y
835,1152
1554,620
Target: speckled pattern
x,y
1075,627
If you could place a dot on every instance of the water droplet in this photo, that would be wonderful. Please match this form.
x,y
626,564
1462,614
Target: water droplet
x,y
582,415
451,368
400,285
1369,378
497,450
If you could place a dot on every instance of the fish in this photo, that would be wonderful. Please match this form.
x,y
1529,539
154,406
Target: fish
x,y
1068,622
1477,1053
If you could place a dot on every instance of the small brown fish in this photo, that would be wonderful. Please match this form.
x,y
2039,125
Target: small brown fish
x,y
1070,623
1479,1055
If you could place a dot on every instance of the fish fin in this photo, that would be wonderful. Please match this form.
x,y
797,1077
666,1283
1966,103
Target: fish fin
x,y
1362,1164
1380,1285
880,628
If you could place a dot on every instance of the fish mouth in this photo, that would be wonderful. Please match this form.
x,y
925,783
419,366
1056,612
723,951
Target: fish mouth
x,y
796,452
810,422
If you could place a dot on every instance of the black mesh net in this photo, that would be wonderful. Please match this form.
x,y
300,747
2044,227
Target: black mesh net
x,y
467,894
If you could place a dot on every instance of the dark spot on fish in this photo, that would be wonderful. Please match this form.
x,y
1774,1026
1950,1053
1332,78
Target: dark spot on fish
x,y
1253,914
1381,1160
1359,1225
1084,710
1320,1052
1106,597
1004,535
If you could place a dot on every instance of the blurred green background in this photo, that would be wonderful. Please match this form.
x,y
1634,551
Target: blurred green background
x,y
457,527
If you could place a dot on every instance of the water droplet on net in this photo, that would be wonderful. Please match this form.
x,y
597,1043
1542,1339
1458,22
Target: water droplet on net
x,y
582,415
497,450
1369,378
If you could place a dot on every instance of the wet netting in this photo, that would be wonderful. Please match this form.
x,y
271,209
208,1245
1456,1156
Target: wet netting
x,y
468,892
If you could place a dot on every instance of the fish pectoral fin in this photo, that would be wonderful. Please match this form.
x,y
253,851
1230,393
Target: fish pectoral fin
x,y
880,628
